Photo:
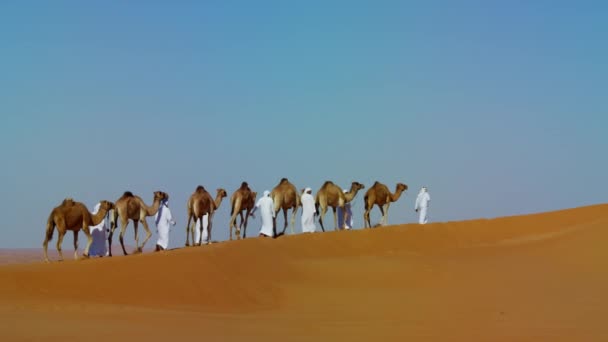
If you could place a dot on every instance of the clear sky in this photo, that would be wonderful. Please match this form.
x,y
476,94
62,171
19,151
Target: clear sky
x,y
499,107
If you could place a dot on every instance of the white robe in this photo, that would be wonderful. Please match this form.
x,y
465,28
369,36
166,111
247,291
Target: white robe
x,y
164,226
308,213
349,217
197,229
98,232
266,207
422,204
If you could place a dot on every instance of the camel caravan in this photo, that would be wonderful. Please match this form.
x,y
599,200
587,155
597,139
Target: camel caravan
x,y
74,216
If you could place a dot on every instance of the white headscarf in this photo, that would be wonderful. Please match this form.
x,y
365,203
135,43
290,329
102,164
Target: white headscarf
x,y
344,190
307,190
422,190
266,193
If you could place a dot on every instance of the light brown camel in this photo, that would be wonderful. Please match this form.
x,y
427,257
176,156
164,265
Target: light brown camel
x,y
243,199
285,196
131,207
331,195
379,195
200,204
74,216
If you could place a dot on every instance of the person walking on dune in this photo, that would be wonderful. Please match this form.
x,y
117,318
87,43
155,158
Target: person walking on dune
x,y
164,221
98,232
308,211
348,222
422,205
266,206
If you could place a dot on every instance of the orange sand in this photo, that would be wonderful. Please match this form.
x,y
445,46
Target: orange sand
x,y
540,277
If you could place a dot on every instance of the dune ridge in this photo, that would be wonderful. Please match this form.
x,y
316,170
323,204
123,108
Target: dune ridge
x,y
531,277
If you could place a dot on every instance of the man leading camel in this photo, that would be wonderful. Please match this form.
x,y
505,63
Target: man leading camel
x,y
164,221
267,213
422,205
308,211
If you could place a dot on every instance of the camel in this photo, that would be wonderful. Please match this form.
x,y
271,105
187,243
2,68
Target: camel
x,y
331,195
74,216
131,207
379,195
200,204
285,196
243,199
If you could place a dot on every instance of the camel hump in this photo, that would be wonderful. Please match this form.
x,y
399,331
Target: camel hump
x,y
68,201
376,183
284,180
128,194
200,188
244,185
327,183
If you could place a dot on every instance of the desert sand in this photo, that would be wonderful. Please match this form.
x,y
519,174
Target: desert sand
x,y
540,277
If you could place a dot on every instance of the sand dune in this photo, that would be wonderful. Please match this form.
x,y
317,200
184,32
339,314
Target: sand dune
x,y
539,277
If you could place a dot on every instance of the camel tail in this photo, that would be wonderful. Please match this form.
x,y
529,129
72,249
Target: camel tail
x,y
50,228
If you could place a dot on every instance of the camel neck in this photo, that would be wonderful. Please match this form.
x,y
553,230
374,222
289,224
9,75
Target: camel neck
x,y
152,210
396,195
98,217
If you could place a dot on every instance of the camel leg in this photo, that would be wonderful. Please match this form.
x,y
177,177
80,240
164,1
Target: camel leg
x,y
274,223
233,223
381,207
321,216
87,232
50,227
286,222
209,240
136,229
294,212
188,230
123,228
75,244
344,214
59,242
245,222
148,235
110,241
192,228
366,221
386,206
335,219
201,229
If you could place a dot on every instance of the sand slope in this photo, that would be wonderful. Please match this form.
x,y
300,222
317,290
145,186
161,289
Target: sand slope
x,y
540,277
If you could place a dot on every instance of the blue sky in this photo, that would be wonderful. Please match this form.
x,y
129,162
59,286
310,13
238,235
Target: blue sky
x,y
499,107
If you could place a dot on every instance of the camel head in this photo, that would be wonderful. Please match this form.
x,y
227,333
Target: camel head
x,y
221,193
401,187
106,205
159,195
357,186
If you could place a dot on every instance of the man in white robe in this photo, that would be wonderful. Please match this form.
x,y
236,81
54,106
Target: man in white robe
x,y
98,232
266,206
422,205
164,221
348,223
308,211
197,230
